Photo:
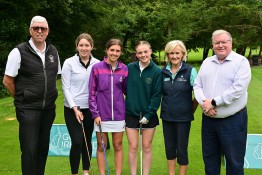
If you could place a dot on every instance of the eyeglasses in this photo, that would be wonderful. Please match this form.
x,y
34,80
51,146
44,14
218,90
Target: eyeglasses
x,y
221,42
37,28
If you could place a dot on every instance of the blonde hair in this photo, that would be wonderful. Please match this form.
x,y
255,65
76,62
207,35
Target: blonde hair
x,y
38,19
139,43
219,32
170,46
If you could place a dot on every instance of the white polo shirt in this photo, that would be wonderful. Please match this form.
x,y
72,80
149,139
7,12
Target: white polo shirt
x,y
14,60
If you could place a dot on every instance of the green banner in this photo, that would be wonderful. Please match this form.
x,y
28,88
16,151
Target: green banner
x,y
60,141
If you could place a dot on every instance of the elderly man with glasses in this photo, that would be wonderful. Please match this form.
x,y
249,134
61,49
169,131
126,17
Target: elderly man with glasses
x,y
30,77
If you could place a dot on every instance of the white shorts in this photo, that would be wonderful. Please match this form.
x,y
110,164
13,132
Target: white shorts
x,y
111,126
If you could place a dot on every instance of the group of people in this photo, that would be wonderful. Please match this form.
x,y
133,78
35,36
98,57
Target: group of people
x,y
109,97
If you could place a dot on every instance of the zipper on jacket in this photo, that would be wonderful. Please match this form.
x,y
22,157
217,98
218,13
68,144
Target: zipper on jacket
x,y
44,70
140,71
45,85
112,92
169,75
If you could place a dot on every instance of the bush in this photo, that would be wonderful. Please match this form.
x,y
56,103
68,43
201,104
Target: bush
x,y
3,91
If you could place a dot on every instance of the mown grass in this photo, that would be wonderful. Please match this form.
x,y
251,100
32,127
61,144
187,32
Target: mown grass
x,y
10,153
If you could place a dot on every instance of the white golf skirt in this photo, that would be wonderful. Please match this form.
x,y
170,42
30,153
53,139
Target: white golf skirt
x,y
111,126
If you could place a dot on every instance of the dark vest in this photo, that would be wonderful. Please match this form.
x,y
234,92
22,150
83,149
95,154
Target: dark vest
x,y
35,84
177,102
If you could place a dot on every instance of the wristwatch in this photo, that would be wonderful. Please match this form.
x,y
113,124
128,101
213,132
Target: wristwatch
x,y
213,102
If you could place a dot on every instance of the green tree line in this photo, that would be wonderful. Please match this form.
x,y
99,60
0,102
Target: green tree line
x,y
157,21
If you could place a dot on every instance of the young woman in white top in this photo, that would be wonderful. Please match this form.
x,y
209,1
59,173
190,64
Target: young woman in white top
x,y
75,77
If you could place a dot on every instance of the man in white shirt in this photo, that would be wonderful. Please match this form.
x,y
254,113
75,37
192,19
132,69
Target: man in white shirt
x,y
30,77
221,90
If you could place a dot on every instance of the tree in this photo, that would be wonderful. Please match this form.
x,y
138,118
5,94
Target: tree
x,y
13,28
157,21
241,18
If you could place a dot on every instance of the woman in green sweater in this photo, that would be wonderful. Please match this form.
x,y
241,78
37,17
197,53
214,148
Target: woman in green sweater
x,y
144,89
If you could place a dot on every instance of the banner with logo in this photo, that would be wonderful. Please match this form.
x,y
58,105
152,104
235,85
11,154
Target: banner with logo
x,y
60,141
253,157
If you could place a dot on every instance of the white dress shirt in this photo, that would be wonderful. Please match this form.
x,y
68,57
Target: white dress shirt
x,y
225,82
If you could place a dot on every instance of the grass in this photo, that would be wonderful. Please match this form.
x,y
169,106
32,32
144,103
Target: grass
x,y
10,153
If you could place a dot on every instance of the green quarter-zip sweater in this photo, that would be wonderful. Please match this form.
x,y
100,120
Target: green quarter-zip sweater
x,y
144,90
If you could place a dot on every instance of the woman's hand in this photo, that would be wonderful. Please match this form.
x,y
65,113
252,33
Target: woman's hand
x,y
98,120
143,121
78,114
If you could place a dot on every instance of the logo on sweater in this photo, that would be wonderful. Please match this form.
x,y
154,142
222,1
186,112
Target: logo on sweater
x,y
149,80
181,78
51,58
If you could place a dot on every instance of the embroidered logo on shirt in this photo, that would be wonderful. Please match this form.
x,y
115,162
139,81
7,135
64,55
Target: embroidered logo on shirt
x,y
149,80
181,78
167,79
51,58
120,79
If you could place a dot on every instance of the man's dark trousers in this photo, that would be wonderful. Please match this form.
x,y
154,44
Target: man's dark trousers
x,y
228,135
34,136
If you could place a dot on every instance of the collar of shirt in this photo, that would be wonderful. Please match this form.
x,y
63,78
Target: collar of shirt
x,y
168,67
40,53
34,47
117,63
140,66
83,64
228,58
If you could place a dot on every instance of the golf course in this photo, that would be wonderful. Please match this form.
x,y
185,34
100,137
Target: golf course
x,y
58,165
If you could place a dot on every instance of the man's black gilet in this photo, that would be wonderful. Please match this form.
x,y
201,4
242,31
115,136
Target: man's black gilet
x,y
35,84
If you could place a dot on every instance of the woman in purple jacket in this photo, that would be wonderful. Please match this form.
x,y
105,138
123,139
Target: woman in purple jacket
x,y
107,87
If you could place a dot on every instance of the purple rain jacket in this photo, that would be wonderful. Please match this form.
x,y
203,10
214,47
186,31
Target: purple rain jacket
x,y
107,88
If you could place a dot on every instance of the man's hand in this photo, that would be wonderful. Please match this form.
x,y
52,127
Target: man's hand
x,y
143,121
211,113
9,83
206,105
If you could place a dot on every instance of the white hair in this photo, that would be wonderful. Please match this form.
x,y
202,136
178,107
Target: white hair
x,y
38,19
219,32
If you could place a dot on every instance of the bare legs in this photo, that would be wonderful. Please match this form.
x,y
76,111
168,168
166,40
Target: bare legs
x,y
172,167
182,169
147,137
100,153
118,152
133,138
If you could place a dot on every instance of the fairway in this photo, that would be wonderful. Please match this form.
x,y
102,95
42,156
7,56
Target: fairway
x,y
10,154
